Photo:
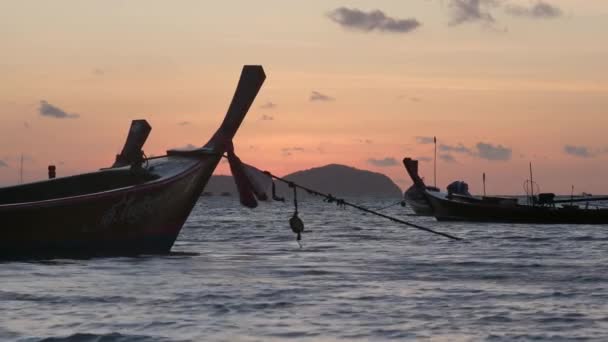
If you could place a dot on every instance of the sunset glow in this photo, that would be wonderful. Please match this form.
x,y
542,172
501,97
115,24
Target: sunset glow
x,y
512,85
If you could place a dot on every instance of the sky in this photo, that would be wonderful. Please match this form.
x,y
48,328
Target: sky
x,y
500,83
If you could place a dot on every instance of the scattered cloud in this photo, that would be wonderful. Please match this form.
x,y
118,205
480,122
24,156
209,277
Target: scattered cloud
x,y
460,148
425,140
386,162
579,151
424,159
288,151
467,11
98,72
26,124
365,141
267,117
376,20
481,150
3,163
184,123
446,157
540,10
315,96
415,99
492,152
47,109
268,105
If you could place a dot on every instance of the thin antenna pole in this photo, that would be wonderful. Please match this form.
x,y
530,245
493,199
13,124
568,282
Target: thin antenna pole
x,y
435,163
572,194
531,185
484,183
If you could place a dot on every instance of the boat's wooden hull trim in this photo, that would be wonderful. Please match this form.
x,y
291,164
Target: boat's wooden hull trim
x,y
137,220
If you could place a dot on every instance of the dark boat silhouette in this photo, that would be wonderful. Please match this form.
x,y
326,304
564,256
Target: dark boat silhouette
x,y
136,207
544,209
416,198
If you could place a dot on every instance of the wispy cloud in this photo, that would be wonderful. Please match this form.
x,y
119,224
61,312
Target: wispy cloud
x,y
184,123
376,20
364,141
579,151
460,148
424,159
481,150
446,157
268,105
386,162
539,10
3,163
410,98
316,96
425,140
98,72
468,11
49,110
493,152
266,117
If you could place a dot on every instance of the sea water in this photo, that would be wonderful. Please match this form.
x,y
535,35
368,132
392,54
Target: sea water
x,y
239,275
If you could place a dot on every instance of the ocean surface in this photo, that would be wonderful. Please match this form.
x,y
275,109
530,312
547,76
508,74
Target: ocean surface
x,y
239,275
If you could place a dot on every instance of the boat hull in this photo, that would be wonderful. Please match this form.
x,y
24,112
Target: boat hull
x,y
451,210
142,219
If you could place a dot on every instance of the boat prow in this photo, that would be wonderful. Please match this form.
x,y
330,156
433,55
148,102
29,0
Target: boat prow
x,y
136,207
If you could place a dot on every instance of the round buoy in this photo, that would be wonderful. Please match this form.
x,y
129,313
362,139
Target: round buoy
x,y
297,226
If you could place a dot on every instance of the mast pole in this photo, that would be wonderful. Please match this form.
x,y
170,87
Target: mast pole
x,y
435,163
484,183
531,186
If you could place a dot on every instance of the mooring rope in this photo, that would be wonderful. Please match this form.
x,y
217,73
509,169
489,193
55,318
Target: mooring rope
x,y
329,198
402,203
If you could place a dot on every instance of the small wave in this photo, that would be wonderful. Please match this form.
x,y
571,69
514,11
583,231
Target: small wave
x,y
51,299
110,337
588,238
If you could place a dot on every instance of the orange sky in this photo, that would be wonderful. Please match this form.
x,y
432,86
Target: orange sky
x,y
530,80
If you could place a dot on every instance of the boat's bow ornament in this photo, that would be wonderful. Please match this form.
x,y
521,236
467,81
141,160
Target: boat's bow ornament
x,y
252,78
251,182
245,176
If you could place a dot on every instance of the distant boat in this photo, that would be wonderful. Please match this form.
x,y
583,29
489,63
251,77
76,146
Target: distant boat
x,y
416,199
544,208
136,207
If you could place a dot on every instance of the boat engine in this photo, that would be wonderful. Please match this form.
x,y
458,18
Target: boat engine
x,y
459,188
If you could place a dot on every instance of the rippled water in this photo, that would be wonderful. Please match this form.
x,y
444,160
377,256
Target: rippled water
x,y
240,276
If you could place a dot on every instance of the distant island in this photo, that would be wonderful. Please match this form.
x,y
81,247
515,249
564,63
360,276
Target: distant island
x,y
339,180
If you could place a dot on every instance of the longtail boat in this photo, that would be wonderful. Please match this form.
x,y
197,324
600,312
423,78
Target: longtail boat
x,y
137,206
542,209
